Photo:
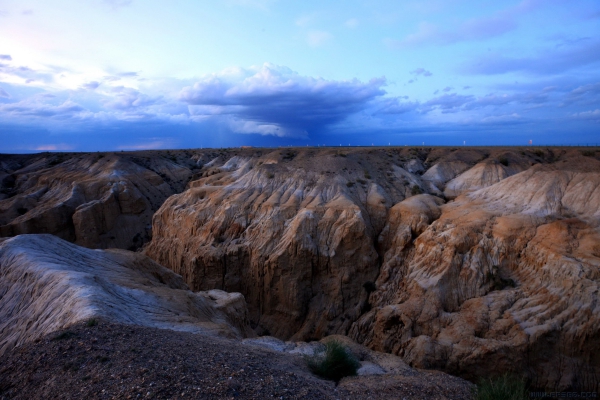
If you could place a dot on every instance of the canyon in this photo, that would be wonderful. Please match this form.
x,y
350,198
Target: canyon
x,y
473,261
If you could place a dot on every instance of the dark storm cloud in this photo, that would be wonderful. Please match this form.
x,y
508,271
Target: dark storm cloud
x,y
66,110
277,101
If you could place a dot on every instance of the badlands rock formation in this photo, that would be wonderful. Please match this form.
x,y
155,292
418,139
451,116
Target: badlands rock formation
x,y
97,200
505,278
339,241
47,284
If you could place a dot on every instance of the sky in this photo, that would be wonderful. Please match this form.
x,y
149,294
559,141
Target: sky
x,y
97,75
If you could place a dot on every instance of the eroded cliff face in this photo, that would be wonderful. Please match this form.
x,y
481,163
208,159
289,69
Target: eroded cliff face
x,y
292,230
504,277
97,200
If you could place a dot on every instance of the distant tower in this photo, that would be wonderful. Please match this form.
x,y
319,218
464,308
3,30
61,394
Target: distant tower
x,y
530,142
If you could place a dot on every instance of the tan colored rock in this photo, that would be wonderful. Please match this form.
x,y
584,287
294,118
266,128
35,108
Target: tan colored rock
x,y
293,230
299,232
47,284
480,176
506,279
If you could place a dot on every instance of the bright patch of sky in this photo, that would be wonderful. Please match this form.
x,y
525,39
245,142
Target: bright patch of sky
x,y
115,74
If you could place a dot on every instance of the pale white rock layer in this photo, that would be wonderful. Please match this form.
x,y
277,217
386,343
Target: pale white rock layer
x,y
47,284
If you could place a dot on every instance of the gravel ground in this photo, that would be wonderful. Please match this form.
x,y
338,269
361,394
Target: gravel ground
x,y
111,361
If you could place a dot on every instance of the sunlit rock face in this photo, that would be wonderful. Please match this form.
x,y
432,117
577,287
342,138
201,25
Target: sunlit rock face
x,y
47,284
505,278
97,200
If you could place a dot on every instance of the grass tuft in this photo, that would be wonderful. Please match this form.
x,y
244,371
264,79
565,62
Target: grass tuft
x,y
64,335
334,363
505,387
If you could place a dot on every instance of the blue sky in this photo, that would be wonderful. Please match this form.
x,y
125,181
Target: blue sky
x,y
92,75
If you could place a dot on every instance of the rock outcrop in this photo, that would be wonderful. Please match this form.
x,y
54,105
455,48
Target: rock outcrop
x,y
341,242
292,230
505,278
97,200
47,284
473,261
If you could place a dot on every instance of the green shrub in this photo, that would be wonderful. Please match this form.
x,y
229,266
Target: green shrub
x,y
92,322
415,190
334,363
64,335
505,387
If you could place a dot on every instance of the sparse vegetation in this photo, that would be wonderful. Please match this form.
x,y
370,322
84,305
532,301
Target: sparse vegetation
x,y
367,175
64,335
361,181
350,184
588,153
270,175
91,322
539,153
506,387
503,160
334,363
415,190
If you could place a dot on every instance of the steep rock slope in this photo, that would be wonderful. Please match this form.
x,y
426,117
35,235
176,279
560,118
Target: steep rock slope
x,y
97,200
506,278
293,230
334,241
47,284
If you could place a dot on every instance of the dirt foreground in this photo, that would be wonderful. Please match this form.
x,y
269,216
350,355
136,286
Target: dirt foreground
x,y
112,361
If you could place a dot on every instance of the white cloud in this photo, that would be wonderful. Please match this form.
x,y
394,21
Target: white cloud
x,y
318,38
351,23
592,114
260,4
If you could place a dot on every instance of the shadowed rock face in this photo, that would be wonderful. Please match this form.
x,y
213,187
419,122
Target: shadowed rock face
x,y
47,284
503,278
96,200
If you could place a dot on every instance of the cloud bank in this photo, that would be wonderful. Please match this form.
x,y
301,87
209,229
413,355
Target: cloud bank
x,y
274,100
